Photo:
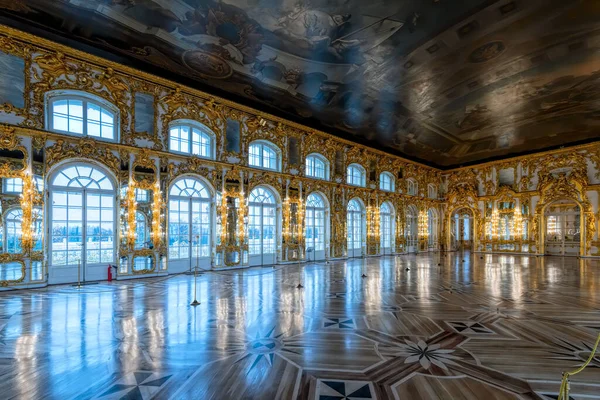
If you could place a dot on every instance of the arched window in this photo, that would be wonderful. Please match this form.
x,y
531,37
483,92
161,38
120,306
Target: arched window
x,y
262,226
264,154
386,182
12,223
190,221
190,137
82,114
386,228
355,175
316,225
317,166
83,223
411,187
432,228
411,231
431,191
141,230
355,220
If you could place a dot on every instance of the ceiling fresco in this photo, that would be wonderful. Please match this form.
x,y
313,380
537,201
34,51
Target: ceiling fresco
x,y
449,83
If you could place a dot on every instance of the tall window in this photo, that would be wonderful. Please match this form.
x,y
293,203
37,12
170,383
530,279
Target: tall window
x,y
83,223
431,191
411,187
411,231
263,155
386,182
432,230
317,167
12,222
191,138
262,226
84,115
355,232
189,221
355,175
315,225
386,229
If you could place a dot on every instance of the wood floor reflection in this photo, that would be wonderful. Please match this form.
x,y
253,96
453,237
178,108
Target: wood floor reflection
x,y
460,326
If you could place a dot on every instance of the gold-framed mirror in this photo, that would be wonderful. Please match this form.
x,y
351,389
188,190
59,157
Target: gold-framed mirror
x,y
21,208
143,261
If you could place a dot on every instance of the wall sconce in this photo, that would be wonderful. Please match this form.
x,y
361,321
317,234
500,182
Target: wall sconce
x,y
518,224
27,209
286,219
300,219
495,221
157,206
423,224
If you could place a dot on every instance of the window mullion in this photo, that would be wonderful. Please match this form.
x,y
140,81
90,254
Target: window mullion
x,y
84,122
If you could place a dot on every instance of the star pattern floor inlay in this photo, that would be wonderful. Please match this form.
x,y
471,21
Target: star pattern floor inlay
x,y
497,327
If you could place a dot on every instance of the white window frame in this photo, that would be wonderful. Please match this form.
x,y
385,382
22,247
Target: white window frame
x,y
316,219
390,179
432,227
387,226
431,191
142,196
97,176
317,157
37,180
85,98
412,187
14,184
191,195
265,144
350,177
202,130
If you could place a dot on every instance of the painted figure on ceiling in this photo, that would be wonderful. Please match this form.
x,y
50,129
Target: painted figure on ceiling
x,y
229,23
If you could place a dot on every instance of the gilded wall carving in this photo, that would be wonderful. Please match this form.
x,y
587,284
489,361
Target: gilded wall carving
x,y
538,180
83,148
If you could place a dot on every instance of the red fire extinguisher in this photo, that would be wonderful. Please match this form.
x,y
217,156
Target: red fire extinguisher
x,y
109,273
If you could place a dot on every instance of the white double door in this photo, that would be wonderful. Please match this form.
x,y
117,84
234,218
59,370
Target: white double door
x,y
82,235
262,234
315,234
563,235
355,233
190,235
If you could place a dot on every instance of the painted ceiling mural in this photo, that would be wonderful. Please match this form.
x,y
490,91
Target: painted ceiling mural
x,y
446,82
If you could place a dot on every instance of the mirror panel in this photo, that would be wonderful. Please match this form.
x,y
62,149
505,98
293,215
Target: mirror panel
x,y
143,264
20,209
12,271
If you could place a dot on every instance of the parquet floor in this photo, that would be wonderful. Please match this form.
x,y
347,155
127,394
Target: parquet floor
x,y
497,327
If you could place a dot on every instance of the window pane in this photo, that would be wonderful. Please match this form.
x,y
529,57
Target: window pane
x,y
93,112
76,108
107,131
60,123
93,129
76,126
